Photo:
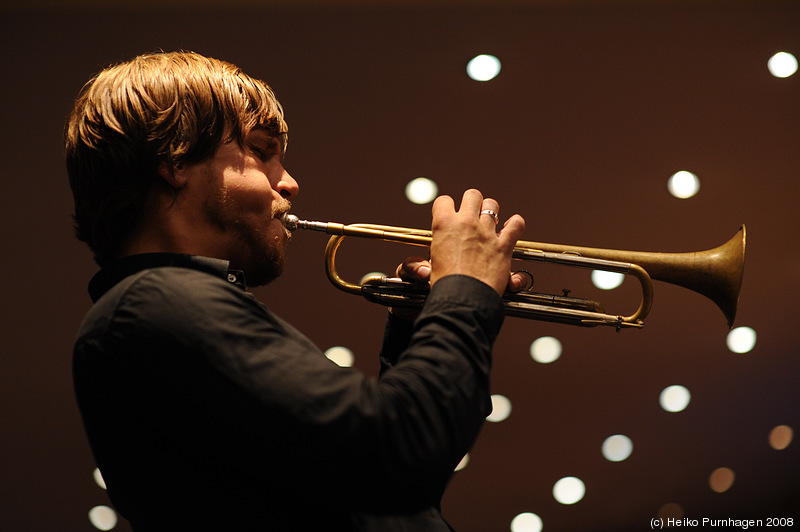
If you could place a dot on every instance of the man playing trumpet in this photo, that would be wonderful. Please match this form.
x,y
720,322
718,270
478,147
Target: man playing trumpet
x,y
176,165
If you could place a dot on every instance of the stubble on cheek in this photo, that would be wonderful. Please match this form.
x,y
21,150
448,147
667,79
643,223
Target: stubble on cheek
x,y
259,247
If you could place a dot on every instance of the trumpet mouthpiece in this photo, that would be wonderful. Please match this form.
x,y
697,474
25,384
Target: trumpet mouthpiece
x,y
289,221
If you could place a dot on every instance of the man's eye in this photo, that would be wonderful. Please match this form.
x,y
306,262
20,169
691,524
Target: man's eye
x,y
258,152
265,154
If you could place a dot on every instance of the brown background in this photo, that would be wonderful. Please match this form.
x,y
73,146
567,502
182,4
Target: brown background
x,y
597,104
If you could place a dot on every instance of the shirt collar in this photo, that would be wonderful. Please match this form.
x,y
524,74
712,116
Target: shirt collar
x,y
115,272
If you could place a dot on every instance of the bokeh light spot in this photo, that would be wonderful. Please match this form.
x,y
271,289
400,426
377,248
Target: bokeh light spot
x,y
675,398
545,349
483,67
569,490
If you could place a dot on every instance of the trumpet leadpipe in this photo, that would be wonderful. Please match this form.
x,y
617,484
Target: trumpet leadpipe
x,y
380,232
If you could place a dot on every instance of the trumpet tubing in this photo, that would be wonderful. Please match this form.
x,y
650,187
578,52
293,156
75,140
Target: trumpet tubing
x,y
715,273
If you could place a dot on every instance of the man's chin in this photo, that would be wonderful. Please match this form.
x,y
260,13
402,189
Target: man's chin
x,y
265,271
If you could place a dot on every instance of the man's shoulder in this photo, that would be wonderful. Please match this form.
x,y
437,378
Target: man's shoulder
x,y
164,297
170,284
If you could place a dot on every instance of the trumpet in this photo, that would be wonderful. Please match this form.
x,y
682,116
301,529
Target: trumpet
x,y
715,273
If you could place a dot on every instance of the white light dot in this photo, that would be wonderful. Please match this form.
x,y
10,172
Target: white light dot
x,y
607,280
569,490
741,340
683,184
483,67
526,522
463,463
98,478
501,408
545,349
421,190
341,356
617,448
103,517
674,398
782,65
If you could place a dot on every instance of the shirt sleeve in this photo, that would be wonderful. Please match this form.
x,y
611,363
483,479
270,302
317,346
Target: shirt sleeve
x,y
396,337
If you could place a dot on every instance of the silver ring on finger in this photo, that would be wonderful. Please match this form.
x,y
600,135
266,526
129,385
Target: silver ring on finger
x,y
490,213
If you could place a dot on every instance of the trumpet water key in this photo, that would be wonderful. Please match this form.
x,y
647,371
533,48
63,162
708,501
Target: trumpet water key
x,y
715,273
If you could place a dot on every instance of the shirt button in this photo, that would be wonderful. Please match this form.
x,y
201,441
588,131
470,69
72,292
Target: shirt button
x,y
232,277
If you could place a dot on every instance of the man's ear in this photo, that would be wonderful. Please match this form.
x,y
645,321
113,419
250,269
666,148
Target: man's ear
x,y
174,174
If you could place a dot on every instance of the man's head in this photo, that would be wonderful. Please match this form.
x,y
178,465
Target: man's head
x,y
157,111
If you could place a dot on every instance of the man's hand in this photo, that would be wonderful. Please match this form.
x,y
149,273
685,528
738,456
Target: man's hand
x,y
415,270
466,242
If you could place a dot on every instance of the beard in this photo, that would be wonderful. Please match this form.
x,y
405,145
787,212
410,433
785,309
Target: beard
x,y
259,253
267,258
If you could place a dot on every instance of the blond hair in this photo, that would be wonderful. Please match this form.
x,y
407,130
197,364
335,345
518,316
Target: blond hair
x,y
164,107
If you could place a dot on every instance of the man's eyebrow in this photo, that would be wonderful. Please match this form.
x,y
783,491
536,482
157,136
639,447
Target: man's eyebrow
x,y
265,135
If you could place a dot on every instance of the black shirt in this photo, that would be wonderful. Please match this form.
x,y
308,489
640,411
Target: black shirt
x,y
206,411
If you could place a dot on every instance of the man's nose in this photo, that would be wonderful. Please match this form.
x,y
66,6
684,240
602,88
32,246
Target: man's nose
x,y
287,187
